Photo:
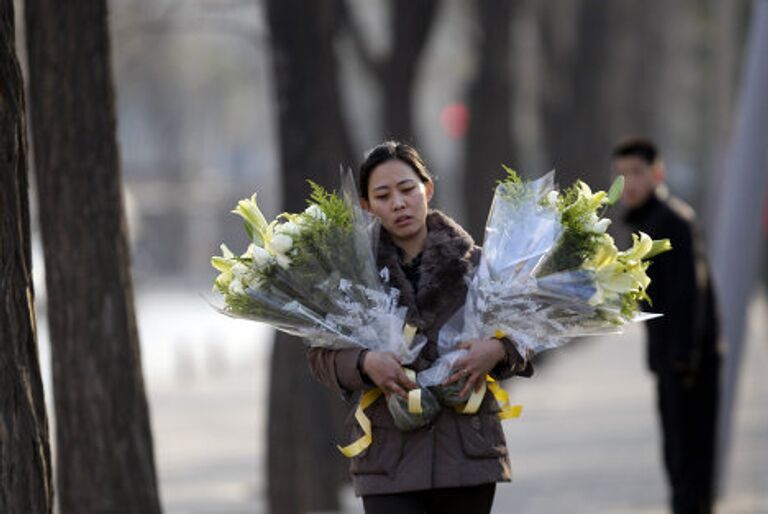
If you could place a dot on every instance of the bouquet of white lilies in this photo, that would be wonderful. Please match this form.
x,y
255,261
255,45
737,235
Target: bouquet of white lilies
x,y
549,272
313,274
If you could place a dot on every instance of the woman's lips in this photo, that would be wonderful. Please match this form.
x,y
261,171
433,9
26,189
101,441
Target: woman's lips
x,y
402,220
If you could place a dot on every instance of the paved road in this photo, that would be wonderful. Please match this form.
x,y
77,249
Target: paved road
x,y
587,441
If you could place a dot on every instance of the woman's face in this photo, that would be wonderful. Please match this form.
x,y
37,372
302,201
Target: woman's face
x,y
398,197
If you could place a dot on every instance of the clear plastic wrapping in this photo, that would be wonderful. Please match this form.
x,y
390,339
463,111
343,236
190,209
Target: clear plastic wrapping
x,y
313,274
549,272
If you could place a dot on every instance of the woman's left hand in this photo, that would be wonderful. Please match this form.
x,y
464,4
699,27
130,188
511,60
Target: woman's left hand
x,y
481,357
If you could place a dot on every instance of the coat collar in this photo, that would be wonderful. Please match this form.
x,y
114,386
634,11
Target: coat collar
x,y
447,258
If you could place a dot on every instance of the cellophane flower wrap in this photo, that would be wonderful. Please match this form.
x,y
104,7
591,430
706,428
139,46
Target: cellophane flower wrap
x,y
549,272
313,274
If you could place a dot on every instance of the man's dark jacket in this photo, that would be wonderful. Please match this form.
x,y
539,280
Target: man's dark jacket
x,y
680,287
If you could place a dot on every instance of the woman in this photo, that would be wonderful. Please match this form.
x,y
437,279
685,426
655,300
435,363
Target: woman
x,y
452,464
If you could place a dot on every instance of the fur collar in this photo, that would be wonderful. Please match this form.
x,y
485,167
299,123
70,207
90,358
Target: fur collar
x,y
448,256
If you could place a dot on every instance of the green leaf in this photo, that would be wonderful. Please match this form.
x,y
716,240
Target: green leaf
x,y
512,176
614,193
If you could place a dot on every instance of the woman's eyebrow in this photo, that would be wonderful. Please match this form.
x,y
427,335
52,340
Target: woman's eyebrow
x,y
385,186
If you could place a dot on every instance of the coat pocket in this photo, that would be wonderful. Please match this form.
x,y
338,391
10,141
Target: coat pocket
x,y
481,435
386,451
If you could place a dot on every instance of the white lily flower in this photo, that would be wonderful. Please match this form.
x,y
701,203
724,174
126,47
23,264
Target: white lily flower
x,y
605,254
283,260
236,287
281,243
640,246
260,256
289,228
601,225
226,252
616,281
248,254
552,197
249,210
316,212
222,264
239,270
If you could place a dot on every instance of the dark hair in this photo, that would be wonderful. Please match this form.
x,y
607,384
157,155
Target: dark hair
x,y
637,147
388,151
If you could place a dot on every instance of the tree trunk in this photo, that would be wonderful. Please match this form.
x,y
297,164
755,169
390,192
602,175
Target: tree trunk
x,y
104,448
25,459
603,63
410,26
304,467
489,138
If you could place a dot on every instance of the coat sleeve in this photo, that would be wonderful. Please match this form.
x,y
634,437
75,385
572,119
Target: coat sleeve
x,y
337,369
513,365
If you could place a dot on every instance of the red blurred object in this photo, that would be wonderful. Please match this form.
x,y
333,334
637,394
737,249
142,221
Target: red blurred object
x,y
765,216
454,118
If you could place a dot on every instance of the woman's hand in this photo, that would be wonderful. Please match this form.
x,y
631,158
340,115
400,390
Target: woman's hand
x,y
386,371
481,357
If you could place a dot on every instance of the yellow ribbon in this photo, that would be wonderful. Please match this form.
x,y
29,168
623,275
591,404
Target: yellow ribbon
x,y
502,398
499,394
414,404
473,402
414,395
355,448
409,332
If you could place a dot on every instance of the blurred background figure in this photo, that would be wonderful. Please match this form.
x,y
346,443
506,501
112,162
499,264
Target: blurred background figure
x,y
682,347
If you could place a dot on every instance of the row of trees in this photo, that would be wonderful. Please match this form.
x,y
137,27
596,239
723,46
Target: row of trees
x,y
104,455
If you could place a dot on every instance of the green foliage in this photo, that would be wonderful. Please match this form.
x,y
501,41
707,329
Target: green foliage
x,y
573,248
333,206
512,178
577,243
512,186
575,211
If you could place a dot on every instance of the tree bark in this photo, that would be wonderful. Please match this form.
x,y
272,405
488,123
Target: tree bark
x,y
602,69
304,467
410,25
489,138
25,459
105,459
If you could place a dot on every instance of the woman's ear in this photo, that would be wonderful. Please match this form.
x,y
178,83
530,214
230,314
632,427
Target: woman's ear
x,y
365,204
429,190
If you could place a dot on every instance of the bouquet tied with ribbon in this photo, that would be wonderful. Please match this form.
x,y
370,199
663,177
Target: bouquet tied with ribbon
x,y
549,272
313,274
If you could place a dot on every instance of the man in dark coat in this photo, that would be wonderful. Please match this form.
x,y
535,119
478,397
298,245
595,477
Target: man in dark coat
x,y
682,344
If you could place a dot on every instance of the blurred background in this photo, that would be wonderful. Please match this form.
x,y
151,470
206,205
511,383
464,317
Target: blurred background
x,y
212,97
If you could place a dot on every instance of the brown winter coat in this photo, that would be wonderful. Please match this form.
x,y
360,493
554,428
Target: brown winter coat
x,y
454,449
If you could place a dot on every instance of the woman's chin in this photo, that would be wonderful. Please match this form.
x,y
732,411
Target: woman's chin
x,y
405,232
